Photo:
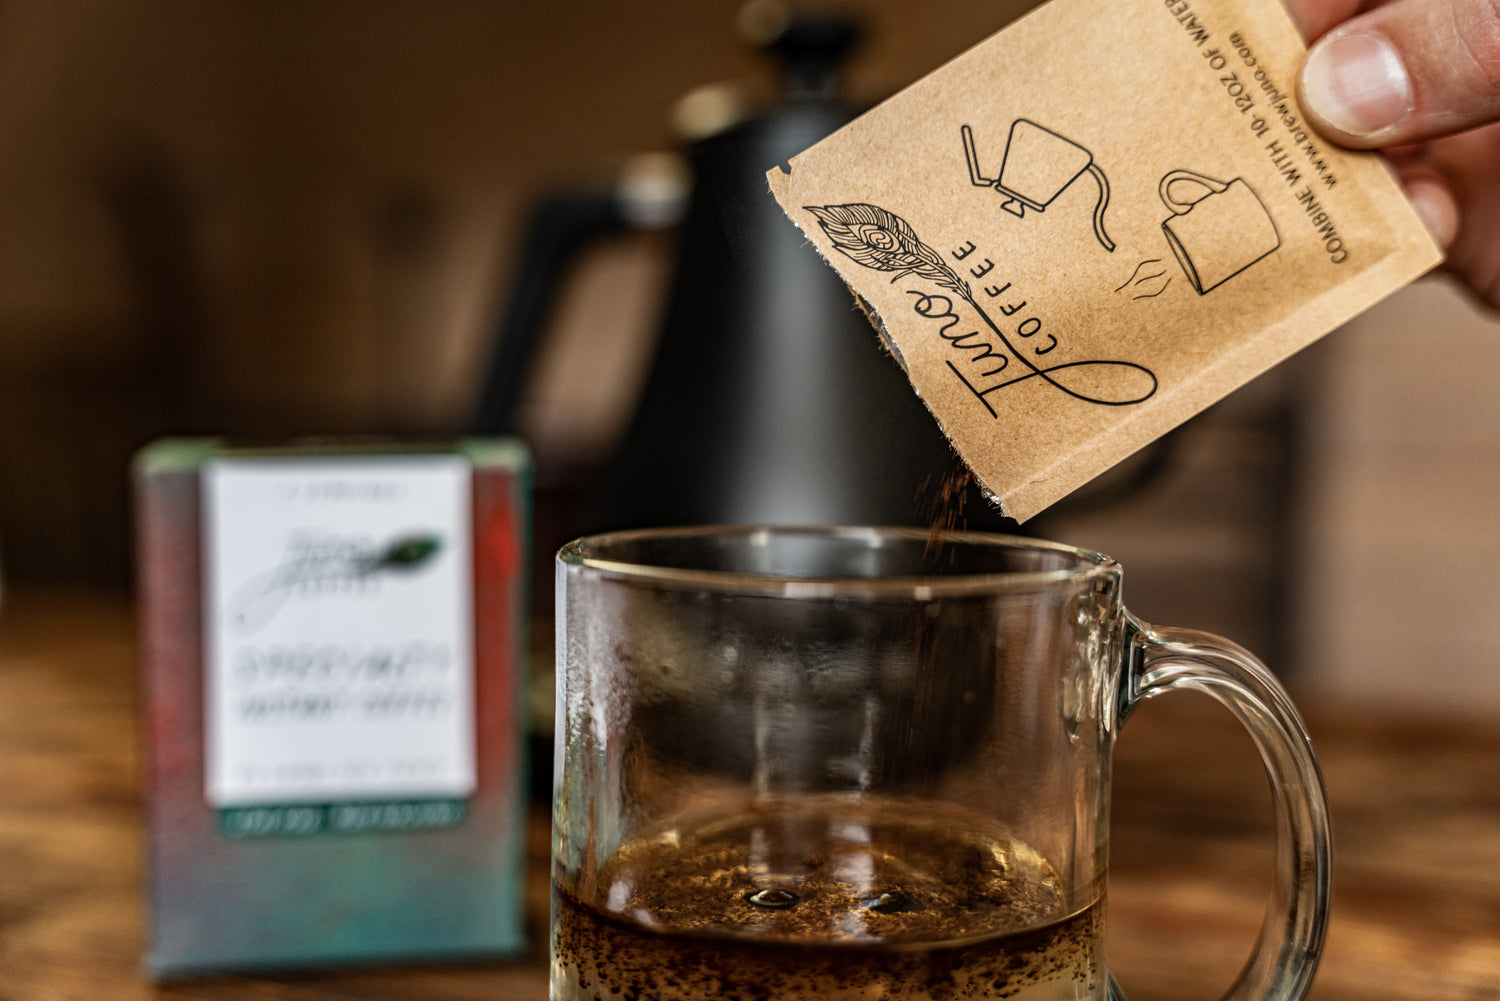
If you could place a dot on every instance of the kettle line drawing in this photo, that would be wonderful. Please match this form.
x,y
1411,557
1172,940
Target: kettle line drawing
x,y
1038,165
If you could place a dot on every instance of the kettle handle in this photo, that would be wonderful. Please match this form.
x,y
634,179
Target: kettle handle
x,y
561,225
1178,208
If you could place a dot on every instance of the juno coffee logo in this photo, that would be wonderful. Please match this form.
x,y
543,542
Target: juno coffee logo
x,y
876,238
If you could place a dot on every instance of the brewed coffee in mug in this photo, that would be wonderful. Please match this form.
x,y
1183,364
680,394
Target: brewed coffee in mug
x,y
853,763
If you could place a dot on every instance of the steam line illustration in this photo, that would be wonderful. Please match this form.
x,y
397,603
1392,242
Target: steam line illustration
x,y
1038,165
1144,286
875,238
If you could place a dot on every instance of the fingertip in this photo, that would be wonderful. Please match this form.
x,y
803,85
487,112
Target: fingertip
x,y
1404,71
1354,84
1437,209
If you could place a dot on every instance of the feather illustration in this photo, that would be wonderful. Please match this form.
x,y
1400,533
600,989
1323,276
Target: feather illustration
x,y
879,239
405,554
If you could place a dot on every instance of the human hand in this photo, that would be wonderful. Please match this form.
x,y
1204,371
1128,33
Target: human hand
x,y
1419,80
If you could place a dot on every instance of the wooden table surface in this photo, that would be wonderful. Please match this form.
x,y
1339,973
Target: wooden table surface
x,y
1416,810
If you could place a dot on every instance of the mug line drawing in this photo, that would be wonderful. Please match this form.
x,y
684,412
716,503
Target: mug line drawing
x,y
1219,234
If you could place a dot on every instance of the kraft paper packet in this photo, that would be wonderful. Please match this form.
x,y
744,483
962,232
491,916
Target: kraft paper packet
x,y
1095,224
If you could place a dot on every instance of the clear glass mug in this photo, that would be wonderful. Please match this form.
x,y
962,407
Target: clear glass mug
x,y
860,763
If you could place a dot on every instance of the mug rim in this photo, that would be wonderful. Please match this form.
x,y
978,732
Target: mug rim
x,y
585,553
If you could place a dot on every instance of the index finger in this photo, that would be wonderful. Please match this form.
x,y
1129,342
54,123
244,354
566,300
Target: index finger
x,y
1316,17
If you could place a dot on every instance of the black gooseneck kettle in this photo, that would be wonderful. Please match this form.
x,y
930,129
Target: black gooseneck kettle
x,y
770,399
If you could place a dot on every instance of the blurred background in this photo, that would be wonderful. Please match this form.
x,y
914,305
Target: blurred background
x,y
269,219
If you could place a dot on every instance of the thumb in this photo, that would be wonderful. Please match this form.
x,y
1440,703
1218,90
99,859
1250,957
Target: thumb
x,y
1404,72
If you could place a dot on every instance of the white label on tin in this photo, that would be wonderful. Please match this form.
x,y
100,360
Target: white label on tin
x,y
338,629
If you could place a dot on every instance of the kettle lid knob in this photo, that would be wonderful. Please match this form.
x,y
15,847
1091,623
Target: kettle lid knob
x,y
811,45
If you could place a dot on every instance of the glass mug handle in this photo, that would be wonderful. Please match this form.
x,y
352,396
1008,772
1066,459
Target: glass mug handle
x,y
1291,938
